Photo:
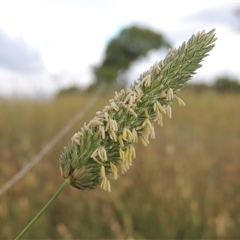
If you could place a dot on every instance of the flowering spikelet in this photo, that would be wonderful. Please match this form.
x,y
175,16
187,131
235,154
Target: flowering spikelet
x,y
106,143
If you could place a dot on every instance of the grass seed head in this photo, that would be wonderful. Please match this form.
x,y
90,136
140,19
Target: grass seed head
x,y
107,141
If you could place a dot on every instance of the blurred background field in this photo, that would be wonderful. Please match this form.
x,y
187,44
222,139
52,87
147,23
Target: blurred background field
x,y
184,185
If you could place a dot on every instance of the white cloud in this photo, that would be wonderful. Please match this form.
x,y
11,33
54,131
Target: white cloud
x,y
71,35
17,56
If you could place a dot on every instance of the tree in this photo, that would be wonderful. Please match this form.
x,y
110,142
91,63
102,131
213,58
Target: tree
x,y
226,84
132,43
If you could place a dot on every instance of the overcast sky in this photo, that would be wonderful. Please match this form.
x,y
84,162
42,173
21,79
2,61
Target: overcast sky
x,y
46,45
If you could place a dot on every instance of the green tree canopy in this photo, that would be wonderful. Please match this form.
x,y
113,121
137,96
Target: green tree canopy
x,y
124,49
227,84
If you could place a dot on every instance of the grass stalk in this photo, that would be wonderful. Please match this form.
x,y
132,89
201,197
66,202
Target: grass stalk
x,y
65,184
106,144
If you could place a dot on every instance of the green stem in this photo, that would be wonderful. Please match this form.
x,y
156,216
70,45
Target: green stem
x,y
65,184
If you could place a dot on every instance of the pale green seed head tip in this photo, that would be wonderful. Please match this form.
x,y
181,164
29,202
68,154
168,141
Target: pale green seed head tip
x,y
106,142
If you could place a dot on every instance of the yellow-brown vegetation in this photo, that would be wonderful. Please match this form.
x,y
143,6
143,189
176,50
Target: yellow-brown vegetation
x,y
185,184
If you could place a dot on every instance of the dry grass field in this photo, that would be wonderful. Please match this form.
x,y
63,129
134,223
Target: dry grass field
x,y
184,185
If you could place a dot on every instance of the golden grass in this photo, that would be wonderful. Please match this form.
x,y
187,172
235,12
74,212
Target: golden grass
x,y
185,184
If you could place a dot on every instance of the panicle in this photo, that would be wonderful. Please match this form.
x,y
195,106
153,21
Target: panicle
x,y
106,143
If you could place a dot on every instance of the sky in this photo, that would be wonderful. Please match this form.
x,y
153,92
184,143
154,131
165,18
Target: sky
x,y
49,45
